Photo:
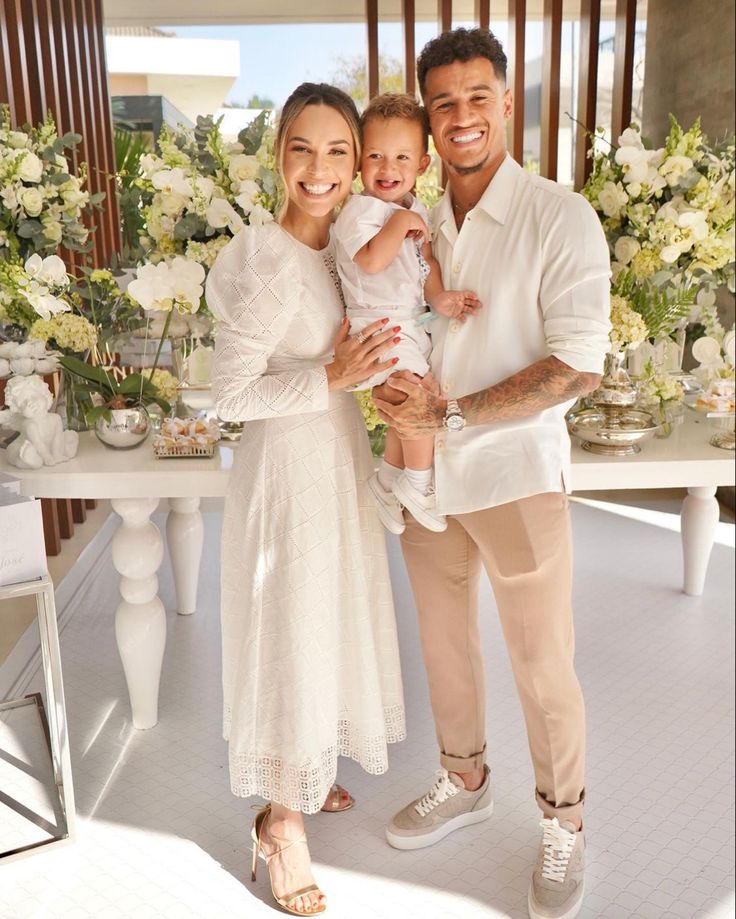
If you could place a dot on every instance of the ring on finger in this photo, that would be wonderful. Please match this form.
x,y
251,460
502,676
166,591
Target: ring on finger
x,y
361,338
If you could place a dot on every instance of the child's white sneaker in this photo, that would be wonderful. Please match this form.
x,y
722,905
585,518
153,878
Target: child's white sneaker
x,y
390,512
422,506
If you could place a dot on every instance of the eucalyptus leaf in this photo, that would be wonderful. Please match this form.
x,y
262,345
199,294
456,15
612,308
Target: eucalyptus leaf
x,y
27,229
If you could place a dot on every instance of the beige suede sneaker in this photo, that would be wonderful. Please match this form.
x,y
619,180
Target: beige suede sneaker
x,y
558,881
447,806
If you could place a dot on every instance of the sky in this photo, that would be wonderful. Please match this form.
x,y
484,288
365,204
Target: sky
x,y
274,59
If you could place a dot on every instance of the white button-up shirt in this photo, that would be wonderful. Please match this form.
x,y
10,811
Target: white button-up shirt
x,y
536,256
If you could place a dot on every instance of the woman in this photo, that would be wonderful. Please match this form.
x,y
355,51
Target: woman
x,y
310,657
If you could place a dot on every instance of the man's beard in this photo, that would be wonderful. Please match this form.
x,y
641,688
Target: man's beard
x,y
469,170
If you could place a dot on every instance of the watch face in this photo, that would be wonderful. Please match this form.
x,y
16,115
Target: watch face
x,y
455,422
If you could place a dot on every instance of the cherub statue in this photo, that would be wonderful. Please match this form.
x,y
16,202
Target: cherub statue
x,y
43,440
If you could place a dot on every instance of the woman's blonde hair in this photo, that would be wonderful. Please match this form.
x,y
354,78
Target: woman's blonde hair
x,y
313,94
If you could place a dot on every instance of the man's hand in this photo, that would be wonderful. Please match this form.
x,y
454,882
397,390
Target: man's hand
x,y
420,412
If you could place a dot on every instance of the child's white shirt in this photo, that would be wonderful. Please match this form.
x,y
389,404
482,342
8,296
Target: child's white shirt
x,y
400,286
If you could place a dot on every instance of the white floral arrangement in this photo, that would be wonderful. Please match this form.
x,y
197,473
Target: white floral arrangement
x,y
35,289
668,214
657,386
715,351
198,191
628,329
42,201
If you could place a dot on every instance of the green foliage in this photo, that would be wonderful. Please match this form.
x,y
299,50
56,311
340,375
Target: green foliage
x,y
661,308
352,78
89,380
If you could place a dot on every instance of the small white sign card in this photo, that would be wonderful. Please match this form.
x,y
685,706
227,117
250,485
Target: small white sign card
x,y
22,547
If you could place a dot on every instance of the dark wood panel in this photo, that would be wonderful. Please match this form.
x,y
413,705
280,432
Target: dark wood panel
x,y
90,503
551,45
51,535
483,13
47,55
17,64
79,510
34,73
6,74
102,101
590,23
444,15
371,19
66,517
623,66
516,50
408,16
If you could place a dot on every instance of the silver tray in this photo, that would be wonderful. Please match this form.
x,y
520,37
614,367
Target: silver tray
x,y
617,433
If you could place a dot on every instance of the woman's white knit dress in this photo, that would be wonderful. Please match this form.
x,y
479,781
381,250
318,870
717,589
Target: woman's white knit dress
x,y
309,648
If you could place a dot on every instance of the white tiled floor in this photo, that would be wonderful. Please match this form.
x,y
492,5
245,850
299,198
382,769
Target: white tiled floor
x,y
161,836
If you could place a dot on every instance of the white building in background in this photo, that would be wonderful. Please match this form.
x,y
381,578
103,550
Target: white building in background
x,y
194,74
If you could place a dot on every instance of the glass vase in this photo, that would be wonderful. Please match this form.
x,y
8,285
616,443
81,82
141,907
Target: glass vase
x,y
377,439
72,405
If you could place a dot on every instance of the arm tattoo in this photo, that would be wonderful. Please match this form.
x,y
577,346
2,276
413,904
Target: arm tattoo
x,y
539,386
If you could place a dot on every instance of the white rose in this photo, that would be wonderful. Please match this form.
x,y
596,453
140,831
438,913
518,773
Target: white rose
x,y
74,197
612,199
9,198
30,168
53,230
17,139
31,200
242,167
670,254
172,203
625,249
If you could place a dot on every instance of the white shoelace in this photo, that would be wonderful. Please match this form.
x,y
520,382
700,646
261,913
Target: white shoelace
x,y
442,789
558,845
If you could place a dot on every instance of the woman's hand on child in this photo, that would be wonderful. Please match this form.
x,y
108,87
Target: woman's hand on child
x,y
456,304
358,357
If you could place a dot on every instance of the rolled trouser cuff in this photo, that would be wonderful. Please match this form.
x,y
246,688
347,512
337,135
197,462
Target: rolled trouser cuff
x,y
463,763
572,812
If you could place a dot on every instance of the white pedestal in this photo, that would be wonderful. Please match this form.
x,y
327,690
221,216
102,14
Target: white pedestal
x,y
699,518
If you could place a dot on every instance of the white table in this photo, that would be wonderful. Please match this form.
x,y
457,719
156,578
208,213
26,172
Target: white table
x,y
135,481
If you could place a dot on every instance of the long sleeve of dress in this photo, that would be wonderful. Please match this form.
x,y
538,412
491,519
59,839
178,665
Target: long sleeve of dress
x,y
253,291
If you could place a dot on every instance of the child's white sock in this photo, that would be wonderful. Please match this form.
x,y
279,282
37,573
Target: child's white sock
x,y
421,479
387,475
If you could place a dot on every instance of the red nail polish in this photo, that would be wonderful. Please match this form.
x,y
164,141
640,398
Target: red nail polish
x,y
396,341
394,360
384,321
397,328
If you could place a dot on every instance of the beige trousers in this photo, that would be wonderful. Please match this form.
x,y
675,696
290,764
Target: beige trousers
x,y
525,547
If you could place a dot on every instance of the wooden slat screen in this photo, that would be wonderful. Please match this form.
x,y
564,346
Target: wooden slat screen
x,y
515,53
371,18
408,15
623,66
483,13
444,15
590,23
53,58
550,117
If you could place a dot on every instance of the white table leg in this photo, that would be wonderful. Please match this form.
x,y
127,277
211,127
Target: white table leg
x,y
698,522
140,620
185,537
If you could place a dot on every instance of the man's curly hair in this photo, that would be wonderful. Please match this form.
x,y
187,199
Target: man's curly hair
x,y
461,45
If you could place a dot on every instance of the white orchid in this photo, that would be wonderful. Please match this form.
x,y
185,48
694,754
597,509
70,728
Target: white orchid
x,y
42,301
51,270
167,286
221,213
173,181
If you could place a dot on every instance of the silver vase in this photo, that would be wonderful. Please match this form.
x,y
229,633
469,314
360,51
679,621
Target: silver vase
x,y
126,428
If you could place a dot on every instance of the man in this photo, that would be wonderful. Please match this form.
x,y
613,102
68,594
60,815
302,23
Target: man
x,y
536,256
